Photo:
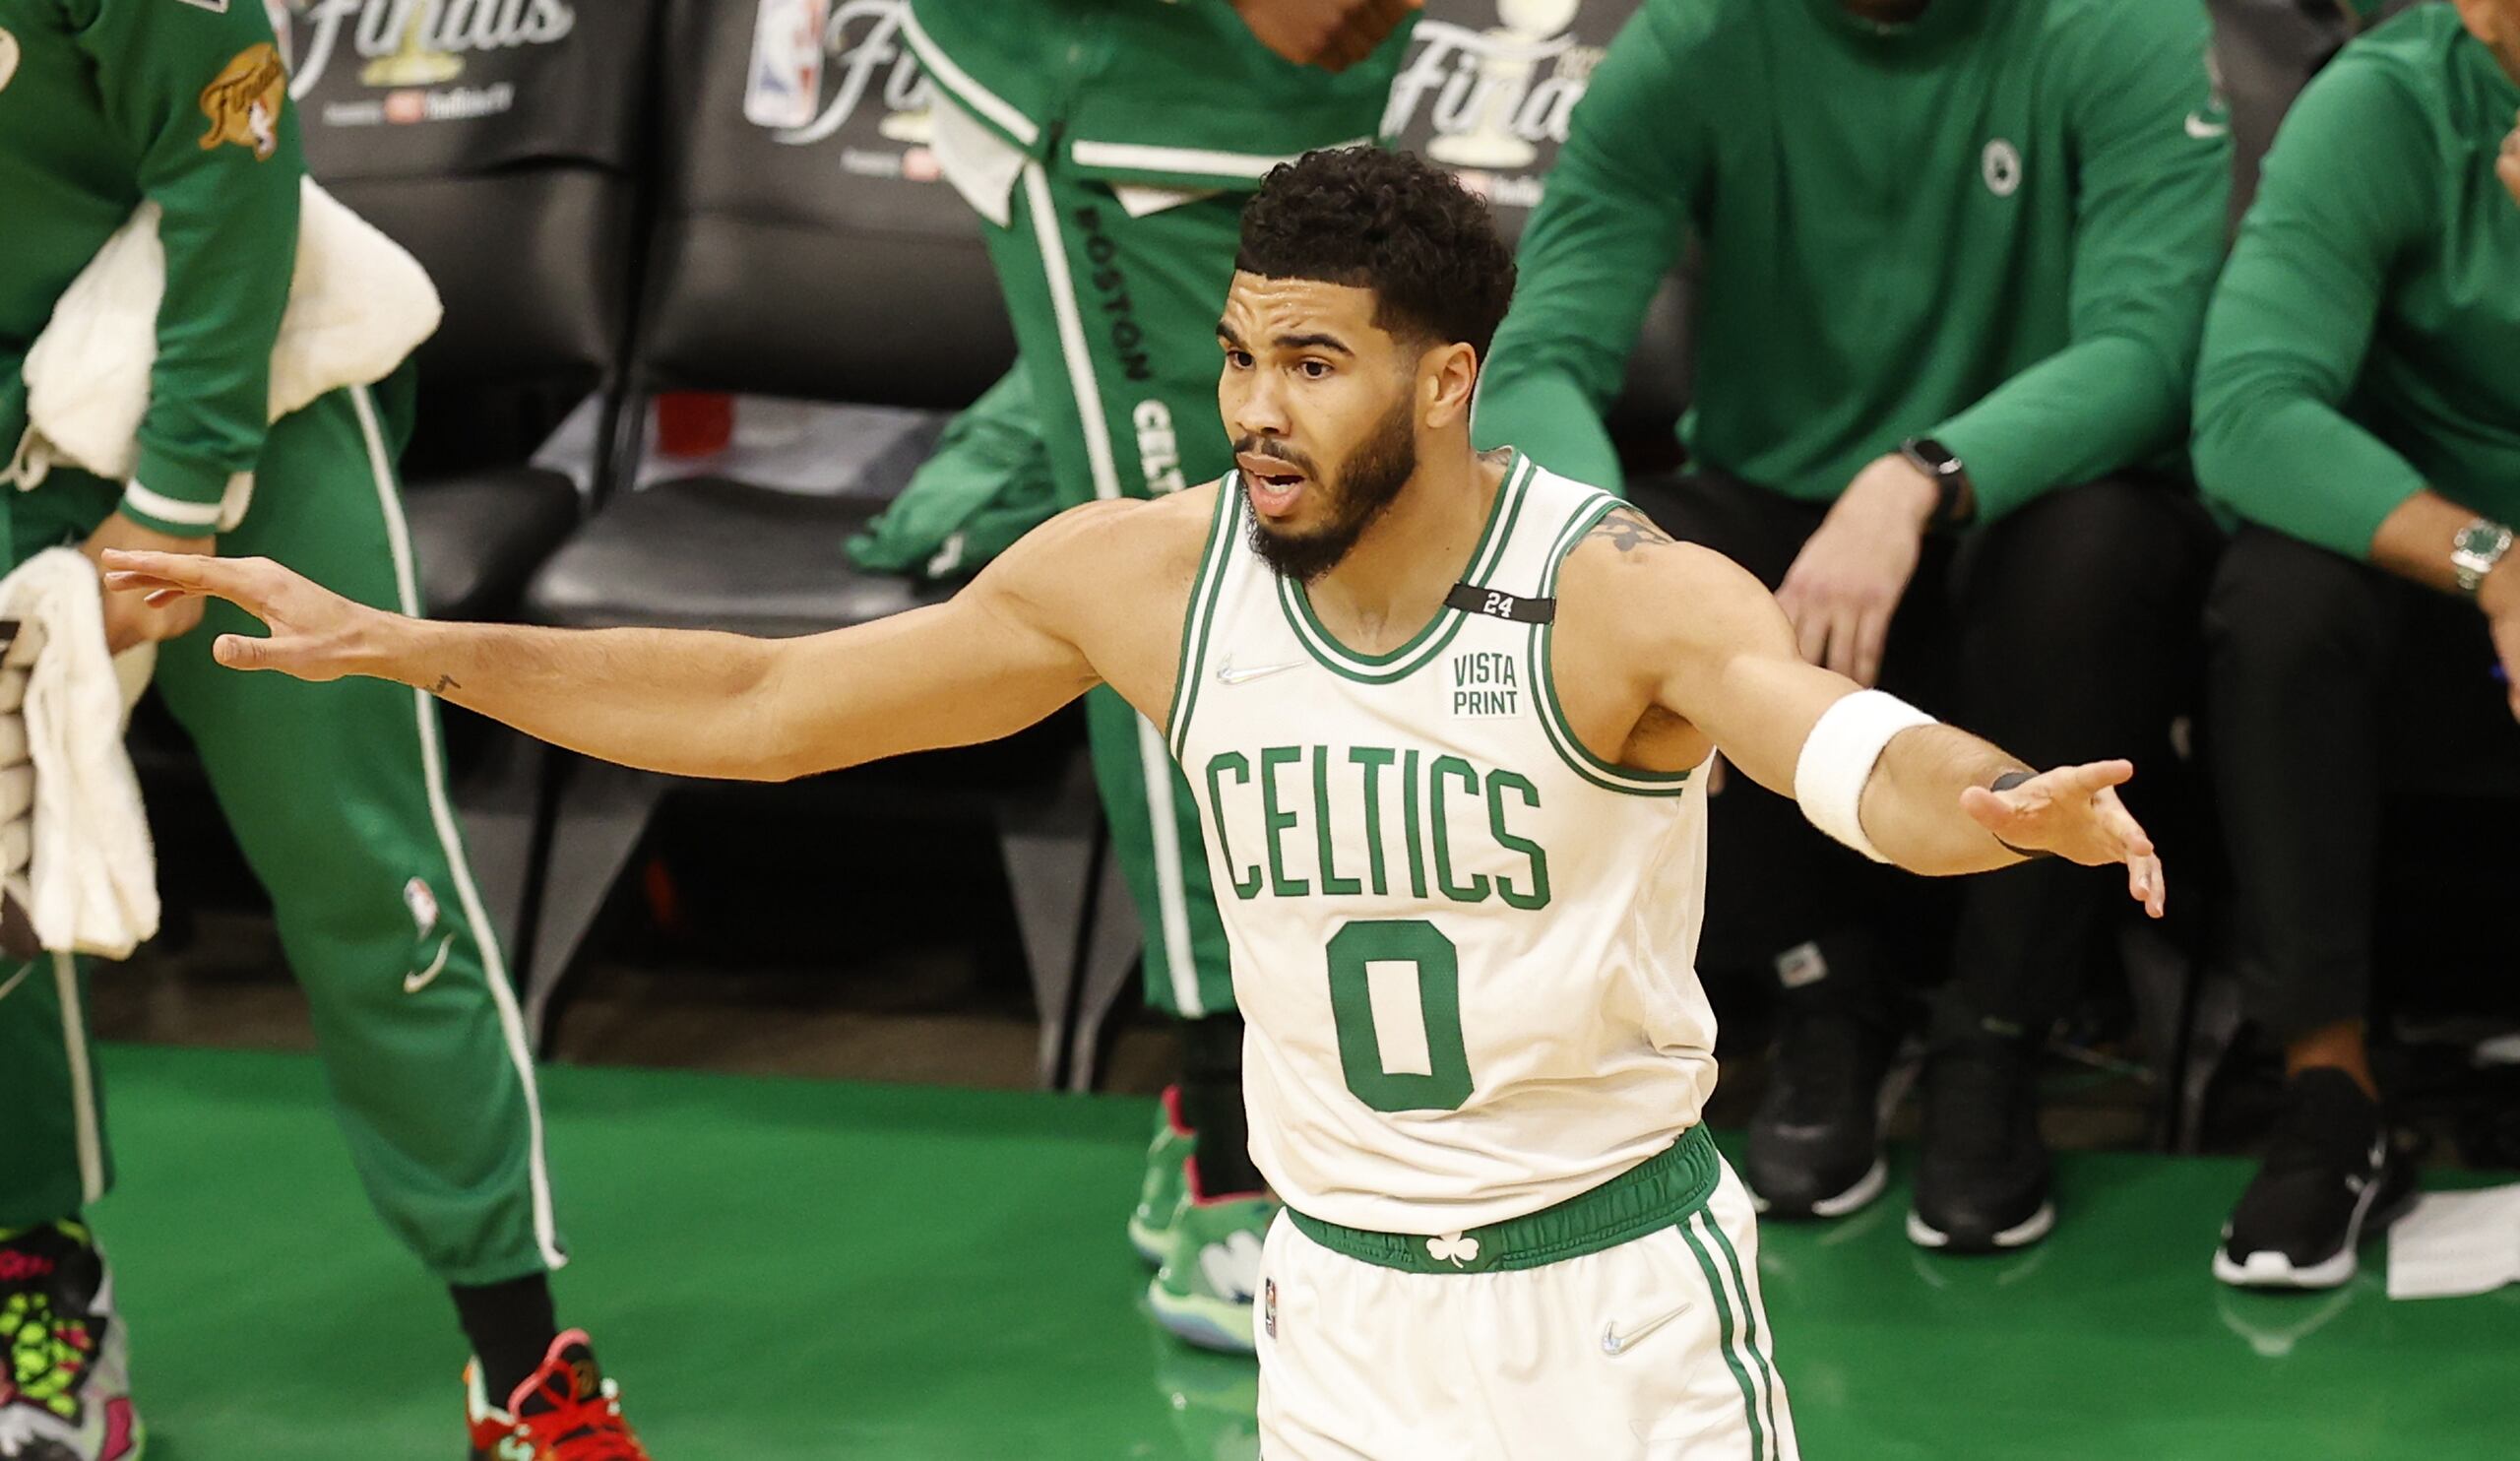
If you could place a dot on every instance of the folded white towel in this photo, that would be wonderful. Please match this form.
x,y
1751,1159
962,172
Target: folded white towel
x,y
94,880
358,305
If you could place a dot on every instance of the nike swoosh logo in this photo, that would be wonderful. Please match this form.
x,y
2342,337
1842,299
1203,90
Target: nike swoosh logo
x,y
1615,1343
413,984
2205,131
1227,674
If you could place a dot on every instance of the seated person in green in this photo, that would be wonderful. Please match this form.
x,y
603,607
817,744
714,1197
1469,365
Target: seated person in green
x,y
2357,404
1954,259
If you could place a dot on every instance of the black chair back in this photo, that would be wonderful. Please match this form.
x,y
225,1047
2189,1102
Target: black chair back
x,y
806,245
502,145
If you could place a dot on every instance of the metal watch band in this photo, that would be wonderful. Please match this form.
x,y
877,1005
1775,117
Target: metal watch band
x,y
2475,551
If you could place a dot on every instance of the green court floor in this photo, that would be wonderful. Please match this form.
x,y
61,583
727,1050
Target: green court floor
x,y
782,1270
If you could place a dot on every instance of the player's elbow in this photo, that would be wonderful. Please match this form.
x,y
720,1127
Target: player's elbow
x,y
770,735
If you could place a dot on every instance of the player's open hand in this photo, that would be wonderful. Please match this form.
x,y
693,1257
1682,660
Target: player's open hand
x,y
2073,811
1333,34
131,620
316,634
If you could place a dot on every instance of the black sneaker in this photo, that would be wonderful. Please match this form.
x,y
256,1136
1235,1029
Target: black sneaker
x,y
1982,1178
1815,1140
2331,1176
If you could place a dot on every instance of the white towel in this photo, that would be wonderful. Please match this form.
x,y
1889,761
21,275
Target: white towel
x,y
93,887
358,305
2455,1243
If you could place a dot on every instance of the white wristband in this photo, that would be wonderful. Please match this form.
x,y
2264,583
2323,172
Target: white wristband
x,y
1839,757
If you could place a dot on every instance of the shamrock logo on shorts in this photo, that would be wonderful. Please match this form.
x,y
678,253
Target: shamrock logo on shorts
x,y
1453,1248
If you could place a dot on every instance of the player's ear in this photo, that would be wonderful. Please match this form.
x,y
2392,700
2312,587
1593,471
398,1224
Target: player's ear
x,y
1446,374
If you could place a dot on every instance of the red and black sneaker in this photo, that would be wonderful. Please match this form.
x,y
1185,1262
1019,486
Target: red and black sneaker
x,y
64,1368
565,1410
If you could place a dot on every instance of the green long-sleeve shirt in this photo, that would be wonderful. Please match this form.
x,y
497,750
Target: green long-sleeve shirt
x,y
1165,92
1996,225
106,103
2364,342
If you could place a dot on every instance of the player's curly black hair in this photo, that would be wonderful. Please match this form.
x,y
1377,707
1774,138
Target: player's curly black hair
x,y
1391,222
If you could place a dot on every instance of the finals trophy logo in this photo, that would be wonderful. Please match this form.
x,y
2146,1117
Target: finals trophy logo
x,y
1493,103
407,45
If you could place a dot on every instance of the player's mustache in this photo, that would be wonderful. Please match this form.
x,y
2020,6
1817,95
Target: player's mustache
x,y
1258,447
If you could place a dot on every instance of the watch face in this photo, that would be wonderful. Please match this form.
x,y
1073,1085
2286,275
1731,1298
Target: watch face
x,y
1932,456
2481,539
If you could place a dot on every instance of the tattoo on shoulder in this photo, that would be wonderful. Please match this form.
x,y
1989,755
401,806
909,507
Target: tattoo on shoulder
x,y
1627,530
445,682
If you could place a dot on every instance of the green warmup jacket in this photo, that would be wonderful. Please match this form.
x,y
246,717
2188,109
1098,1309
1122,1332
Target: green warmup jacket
x,y
1159,93
2365,343
106,103
1996,225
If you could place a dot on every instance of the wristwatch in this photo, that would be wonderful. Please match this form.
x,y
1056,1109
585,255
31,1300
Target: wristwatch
x,y
1953,504
2473,553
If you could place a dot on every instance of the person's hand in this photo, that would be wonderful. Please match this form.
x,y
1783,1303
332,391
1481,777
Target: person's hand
x,y
1333,34
130,619
2500,598
1848,580
2507,163
315,634
2073,811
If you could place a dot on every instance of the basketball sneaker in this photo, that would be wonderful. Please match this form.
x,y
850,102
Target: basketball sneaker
x,y
1815,1139
565,1410
1159,1193
1205,1288
1981,1175
2331,1178
65,1370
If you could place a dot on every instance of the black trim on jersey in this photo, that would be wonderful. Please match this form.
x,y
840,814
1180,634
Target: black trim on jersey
x,y
1517,608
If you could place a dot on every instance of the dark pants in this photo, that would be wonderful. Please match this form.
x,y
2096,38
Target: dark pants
x,y
2064,632
2328,682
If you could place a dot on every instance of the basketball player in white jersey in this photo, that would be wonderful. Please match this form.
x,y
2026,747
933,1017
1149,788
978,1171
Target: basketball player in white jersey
x,y
1449,717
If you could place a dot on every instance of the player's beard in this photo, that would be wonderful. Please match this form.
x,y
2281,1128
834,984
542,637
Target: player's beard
x,y
1369,480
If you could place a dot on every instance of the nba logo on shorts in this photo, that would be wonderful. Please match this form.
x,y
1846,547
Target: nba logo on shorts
x,y
1269,1306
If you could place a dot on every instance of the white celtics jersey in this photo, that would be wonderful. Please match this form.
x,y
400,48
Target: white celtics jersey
x,y
1465,947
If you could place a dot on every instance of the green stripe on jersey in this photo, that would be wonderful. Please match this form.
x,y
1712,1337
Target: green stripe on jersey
x,y
1198,616
1723,1333
1429,642
1570,747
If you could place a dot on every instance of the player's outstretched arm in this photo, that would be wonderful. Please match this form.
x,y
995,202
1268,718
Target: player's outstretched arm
x,y
992,660
1729,666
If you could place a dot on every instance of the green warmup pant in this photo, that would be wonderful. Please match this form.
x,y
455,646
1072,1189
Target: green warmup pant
x,y
337,792
1115,318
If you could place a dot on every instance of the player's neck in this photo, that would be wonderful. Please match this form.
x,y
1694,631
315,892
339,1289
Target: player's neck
x,y
1393,582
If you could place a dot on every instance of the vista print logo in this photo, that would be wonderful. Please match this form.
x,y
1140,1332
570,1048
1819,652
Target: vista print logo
x,y
855,47
417,43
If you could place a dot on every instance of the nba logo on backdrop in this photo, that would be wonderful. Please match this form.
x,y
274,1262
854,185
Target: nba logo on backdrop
x,y
784,86
853,48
